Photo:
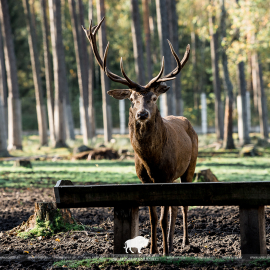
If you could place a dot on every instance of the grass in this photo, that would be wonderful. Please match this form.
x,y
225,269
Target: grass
x,y
237,169
46,174
103,262
227,167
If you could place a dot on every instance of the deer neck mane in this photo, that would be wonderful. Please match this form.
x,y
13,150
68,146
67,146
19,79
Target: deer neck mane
x,y
147,138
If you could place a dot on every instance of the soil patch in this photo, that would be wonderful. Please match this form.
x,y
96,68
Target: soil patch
x,y
213,231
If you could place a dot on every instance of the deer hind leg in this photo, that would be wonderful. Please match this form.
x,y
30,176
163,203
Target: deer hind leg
x,y
153,222
173,215
185,227
164,228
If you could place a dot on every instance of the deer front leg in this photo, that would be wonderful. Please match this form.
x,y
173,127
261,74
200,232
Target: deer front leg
x,y
153,222
173,215
185,227
164,228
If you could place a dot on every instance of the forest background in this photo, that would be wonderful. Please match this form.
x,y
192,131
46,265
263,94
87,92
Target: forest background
x,y
246,30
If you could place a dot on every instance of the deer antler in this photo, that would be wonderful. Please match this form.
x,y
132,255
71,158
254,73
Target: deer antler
x,y
91,35
171,75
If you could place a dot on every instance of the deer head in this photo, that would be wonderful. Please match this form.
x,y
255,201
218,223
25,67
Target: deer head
x,y
143,98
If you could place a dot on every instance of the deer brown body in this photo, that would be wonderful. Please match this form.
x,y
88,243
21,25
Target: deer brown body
x,y
165,148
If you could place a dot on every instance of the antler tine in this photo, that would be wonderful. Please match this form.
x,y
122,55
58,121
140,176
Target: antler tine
x,y
158,76
111,75
133,84
91,35
92,40
97,26
172,74
180,65
186,56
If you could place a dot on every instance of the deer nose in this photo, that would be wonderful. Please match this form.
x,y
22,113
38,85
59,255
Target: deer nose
x,y
142,115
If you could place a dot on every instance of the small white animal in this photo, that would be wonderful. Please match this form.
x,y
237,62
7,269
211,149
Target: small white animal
x,y
138,242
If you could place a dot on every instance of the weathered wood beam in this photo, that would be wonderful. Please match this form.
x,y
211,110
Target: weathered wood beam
x,y
252,231
126,226
130,195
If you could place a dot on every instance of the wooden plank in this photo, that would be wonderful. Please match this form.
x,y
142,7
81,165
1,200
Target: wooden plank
x,y
58,184
236,193
126,226
252,230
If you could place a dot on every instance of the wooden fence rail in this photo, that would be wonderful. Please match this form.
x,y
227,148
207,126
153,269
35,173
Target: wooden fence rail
x,y
251,197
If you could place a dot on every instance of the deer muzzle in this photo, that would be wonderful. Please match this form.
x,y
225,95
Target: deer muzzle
x,y
142,115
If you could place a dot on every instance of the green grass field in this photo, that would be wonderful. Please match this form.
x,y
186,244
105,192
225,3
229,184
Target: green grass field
x,y
227,167
46,173
232,169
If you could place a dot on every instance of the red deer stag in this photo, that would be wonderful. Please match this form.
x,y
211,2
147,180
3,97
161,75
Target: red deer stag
x,y
165,148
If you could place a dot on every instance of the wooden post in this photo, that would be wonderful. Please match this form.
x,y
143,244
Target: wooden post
x,y
126,226
252,231
58,184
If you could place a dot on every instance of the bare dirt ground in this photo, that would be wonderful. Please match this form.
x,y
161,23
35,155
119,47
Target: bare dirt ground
x,y
213,232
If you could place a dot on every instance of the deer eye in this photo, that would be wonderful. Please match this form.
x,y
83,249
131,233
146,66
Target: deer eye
x,y
154,98
148,101
131,99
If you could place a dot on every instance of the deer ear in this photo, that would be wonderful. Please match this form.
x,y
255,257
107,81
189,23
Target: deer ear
x,y
161,89
120,93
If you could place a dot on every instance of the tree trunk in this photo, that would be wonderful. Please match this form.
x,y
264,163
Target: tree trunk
x,y
216,80
259,88
57,47
91,107
204,113
3,137
173,34
228,142
243,131
146,27
122,116
3,90
68,111
48,73
249,74
40,106
69,124
202,89
85,67
70,135
194,69
107,115
14,103
81,72
166,104
137,41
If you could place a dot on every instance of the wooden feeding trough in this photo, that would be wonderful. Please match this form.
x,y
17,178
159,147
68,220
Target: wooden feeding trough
x,y
251,197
